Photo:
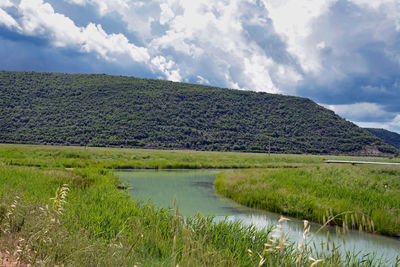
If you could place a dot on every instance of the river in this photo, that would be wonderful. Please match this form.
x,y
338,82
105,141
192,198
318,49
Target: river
x,y
194,193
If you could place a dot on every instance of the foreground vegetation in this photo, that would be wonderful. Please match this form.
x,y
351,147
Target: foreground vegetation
x,y
103,110
361,197
98,225
61,206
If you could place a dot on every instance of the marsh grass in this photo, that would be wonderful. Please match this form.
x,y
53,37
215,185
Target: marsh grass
x,y
356,197
99,225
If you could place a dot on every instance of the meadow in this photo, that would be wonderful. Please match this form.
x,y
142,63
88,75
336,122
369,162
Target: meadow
x,y
61,206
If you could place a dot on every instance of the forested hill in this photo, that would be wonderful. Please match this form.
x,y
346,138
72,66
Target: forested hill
x,y
103,110
389,137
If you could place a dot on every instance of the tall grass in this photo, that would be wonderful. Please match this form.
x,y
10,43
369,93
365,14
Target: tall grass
x,y
361,197
99,225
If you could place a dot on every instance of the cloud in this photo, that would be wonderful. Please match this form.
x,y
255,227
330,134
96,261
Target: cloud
x,y
104,6
369,115
393,125
356,65
347,50
363,112
166,13
229,43
111,46
138,15
167,67
39,19
7,20
292,20
291,47
6,3
202,80
232,43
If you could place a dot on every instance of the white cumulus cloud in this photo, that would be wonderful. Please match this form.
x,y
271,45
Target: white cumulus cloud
x,y
212,35
6,3
208,39
7,20
293,21
167,67
39,19
104,6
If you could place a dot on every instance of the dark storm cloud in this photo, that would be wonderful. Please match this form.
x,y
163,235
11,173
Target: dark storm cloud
x,y
360,60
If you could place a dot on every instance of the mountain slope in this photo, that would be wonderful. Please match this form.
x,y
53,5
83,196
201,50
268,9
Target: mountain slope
x,y
389,137
103,110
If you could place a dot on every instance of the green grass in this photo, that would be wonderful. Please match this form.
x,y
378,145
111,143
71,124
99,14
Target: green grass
x,y
355,195
103,226
114,158
120,158
98,225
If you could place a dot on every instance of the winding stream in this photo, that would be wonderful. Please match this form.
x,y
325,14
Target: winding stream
x,y
194,193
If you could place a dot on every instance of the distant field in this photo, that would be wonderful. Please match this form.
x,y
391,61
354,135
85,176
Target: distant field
x,y
74,156
89,222
71,156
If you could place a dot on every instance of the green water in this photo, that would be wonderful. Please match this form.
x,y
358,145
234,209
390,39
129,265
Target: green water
x,y
194,193
193,190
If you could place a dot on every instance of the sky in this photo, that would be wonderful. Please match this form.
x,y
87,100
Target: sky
x,y
343,54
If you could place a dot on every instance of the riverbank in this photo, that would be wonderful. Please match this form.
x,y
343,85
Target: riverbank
x,y
61,206
357,197
100,225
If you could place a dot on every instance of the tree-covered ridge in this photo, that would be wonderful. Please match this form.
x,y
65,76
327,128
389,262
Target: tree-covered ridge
x,y
103,110
389,137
